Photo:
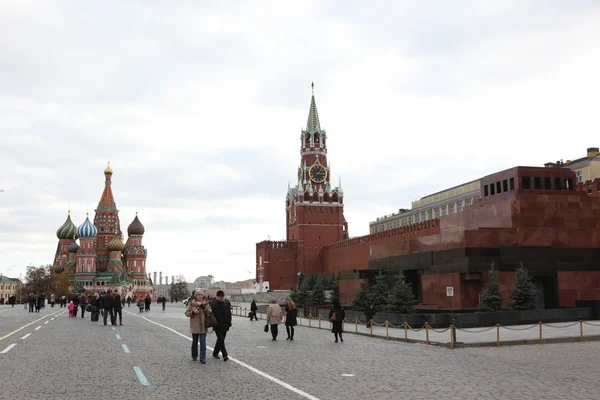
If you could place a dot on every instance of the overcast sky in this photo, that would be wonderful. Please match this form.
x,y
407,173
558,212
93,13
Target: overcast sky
x,y
199,109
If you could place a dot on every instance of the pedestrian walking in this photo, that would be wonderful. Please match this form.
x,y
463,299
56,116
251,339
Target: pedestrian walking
x,y
83,302
107,303
291,320
95,303
222,314
369,312
253,310
128,301
71,307
164,302
140,304
31,301
117,309
336,317
197,310
274,318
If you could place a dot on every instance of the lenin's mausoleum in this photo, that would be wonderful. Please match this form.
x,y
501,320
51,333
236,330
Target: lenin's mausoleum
x,y
542,218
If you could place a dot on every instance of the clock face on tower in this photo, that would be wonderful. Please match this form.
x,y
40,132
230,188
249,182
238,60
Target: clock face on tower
x,y
317,173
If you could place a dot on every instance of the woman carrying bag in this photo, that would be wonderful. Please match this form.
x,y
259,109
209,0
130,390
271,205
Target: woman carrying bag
x,y
198,311
274,317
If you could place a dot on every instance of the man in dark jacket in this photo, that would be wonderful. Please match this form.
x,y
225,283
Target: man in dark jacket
x,y
369,312
31,301
107,304
253,310
222,314
116,309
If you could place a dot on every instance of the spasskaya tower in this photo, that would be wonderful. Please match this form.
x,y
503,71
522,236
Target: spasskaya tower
x,y
314,211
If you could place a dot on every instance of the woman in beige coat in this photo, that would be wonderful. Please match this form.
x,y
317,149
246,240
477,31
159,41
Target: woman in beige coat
x,y
274,317
197,311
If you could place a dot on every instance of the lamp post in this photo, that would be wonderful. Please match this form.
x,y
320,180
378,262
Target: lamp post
x,y
21,288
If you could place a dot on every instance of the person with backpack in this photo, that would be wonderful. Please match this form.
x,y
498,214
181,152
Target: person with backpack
x,y
336,317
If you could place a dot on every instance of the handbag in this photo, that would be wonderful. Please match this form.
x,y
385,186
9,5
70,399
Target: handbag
x,y
209,321
88,308
266,327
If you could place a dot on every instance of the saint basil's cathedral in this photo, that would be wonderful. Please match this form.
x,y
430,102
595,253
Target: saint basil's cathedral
x,y
101,260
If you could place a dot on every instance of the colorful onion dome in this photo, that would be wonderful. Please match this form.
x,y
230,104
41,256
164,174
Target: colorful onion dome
x,y
115,244
87,229
108,170
73,247
67,230
57,268
136,227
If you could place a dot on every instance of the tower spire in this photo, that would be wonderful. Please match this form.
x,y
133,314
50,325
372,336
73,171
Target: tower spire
x,y
107,201
312,124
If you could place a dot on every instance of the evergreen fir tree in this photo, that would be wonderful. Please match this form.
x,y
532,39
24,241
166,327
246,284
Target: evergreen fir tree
x,y
335,292
318,292
402,299
304,292
524,292
300,278
379,293
490,298
312,280
361,297
294,295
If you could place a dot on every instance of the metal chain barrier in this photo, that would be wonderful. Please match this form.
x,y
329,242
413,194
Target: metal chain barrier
x,y
520,329
243,312
471,330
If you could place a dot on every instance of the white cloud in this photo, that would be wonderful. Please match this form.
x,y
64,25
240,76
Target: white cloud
x,y
199,109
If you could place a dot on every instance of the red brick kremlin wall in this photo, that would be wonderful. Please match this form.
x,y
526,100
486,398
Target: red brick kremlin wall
x,y
355,253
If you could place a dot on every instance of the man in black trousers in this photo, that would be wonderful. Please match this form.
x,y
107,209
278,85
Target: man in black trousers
x,y
222,314
107,304
116,309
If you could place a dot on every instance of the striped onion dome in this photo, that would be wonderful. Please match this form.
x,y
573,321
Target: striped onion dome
x,y
115,244
67,230
136,227
73,247
57,268
87,229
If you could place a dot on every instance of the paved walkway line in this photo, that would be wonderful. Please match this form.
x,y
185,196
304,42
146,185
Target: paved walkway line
x,y
6,350
141,377
125,348
25,326
46,322
38,328
118,336
243,364
26,336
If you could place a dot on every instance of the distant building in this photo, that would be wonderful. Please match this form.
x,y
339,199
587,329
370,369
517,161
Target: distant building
x,y
204,282
586,168
433,206
8,287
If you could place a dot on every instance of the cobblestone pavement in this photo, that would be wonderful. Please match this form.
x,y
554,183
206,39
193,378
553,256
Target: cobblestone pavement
x,y
68,358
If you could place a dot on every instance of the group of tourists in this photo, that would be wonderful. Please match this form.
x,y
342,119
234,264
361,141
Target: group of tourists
x,y
275,317
11,300
107,305
205,314
36,303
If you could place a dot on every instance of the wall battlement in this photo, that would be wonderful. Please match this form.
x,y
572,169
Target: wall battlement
x,y
426,228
